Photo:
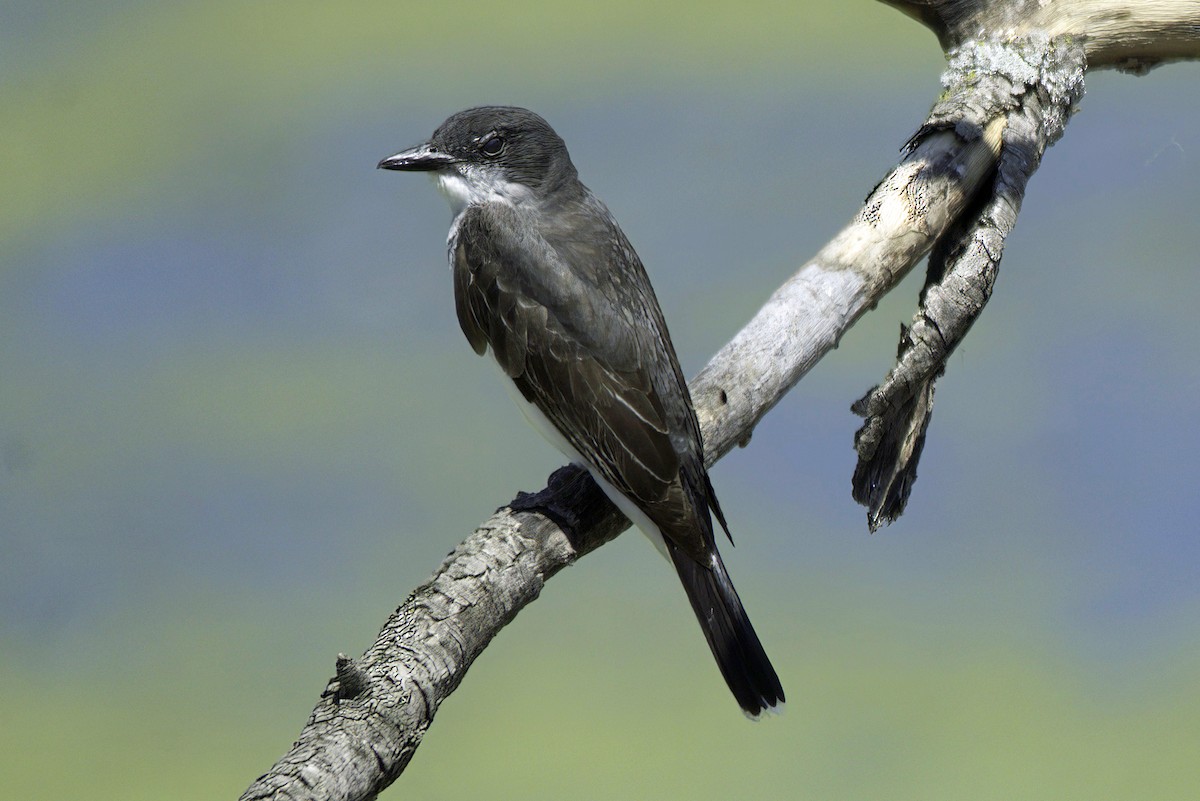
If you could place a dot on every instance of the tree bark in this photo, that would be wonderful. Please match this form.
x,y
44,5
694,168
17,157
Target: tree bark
x,y
1023,92
1016,71
1135,36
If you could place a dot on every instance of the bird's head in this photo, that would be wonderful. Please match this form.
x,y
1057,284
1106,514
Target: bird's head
x,y
491,153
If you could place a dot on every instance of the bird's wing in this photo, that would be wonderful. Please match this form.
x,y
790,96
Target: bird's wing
x,y
576,352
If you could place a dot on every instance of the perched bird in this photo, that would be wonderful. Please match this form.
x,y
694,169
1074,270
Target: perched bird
x,y
545,278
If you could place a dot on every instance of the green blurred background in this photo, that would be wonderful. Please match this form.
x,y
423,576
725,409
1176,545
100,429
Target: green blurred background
x,y
238,422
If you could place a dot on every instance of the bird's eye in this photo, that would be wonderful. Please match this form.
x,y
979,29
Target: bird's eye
x,y
492,146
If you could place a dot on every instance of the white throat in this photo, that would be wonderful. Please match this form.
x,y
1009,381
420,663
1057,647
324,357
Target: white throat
x,y
467,185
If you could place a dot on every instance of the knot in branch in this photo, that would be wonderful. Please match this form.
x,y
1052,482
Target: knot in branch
x,y
986,76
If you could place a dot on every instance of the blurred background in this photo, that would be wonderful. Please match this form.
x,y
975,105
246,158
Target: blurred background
x,y
238,422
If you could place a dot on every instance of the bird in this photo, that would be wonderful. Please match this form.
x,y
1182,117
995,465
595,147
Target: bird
x,y
545,278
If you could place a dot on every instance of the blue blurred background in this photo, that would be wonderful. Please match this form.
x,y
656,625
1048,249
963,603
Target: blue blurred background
x,y
238,422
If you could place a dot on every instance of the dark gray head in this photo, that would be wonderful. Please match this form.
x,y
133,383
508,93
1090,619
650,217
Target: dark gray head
x,y
488,151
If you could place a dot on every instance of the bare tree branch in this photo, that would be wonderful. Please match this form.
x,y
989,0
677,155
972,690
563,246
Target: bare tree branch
x,y
1022,92
374,713
1115,33
1014,77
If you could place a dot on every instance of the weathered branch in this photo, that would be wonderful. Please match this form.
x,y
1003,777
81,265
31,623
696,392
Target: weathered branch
x,y
374,712
958,187
1115,33
904,215
1025,89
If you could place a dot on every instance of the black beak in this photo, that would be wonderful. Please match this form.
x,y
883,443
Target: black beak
x,y
422,158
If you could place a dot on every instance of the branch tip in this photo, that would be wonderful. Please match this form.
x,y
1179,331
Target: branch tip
x,y
352,681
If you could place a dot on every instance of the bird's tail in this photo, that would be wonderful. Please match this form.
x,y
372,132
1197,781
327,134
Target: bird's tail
x,y
740,656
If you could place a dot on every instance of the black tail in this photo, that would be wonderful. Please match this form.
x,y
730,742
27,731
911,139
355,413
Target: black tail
x,y
743,662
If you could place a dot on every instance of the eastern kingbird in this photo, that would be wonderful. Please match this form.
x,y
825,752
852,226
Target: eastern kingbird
x,y
545,277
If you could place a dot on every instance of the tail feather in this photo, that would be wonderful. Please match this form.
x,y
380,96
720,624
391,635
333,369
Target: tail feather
x,y
739,654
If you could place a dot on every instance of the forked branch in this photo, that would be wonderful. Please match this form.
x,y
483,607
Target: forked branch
x,y
1016,72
